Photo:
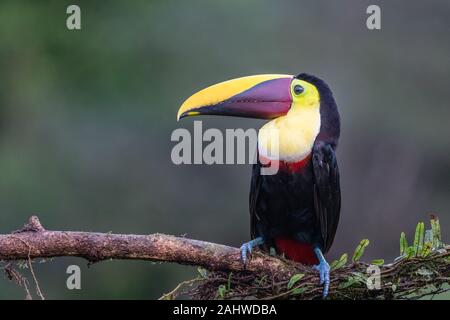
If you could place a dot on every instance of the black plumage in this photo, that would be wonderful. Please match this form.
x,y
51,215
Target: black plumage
x,y
303,205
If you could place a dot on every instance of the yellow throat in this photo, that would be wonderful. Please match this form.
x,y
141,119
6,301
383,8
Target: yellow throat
x,y
290,138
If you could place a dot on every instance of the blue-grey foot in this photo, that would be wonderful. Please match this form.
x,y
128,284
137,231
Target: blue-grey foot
x,y
247,248
324,271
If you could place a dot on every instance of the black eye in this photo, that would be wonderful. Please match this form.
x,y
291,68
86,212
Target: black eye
x,y
298,89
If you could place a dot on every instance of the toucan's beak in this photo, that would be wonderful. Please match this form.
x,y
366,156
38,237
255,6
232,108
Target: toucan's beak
x,y
264,96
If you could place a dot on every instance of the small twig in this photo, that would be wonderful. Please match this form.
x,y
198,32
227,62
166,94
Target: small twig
x,y
175,292
13,275
30,265
33,225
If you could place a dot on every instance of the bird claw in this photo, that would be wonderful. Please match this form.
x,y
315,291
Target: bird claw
x,y
247,248
324,275
246,252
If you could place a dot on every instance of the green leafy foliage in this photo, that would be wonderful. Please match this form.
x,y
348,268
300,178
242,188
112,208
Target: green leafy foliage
x,y
348,283
425,241
359,251
221,291
229,281
427,249
299,290
294,279
436,232
377,262
355,279
419,238
337,264
403,244
421,276
428,236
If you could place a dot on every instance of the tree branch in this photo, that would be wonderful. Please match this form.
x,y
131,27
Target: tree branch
x,y
33,241
264,277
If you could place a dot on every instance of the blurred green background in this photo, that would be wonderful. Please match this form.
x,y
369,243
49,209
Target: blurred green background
x,y
86,118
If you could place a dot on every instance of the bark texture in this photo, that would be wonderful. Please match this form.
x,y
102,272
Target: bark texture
x,y
33,241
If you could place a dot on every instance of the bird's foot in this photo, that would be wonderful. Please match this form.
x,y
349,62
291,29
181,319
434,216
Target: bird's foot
x,y
247,248
324,272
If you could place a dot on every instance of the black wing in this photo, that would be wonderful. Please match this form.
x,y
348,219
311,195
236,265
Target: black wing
x,y
254,192
327,192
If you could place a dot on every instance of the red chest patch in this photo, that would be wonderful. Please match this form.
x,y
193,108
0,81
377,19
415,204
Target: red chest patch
x,y
296,251
286,166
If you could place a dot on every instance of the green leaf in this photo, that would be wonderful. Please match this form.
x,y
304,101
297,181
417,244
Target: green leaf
x,y
355,278
299,290
361,276
221,291
229,281
350,282
428,236
418,238
438,232
433,232
295,278
337,264
403,244
359,251
377,262
427,249
436,229
410,251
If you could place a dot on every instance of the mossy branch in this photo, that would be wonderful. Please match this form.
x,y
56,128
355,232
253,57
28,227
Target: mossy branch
x,y
422,269
264,277
406,279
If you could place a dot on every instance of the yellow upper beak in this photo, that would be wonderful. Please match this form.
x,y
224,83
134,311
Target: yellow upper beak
x,y
228,97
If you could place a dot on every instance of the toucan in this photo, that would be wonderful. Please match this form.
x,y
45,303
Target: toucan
x,y
295,210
